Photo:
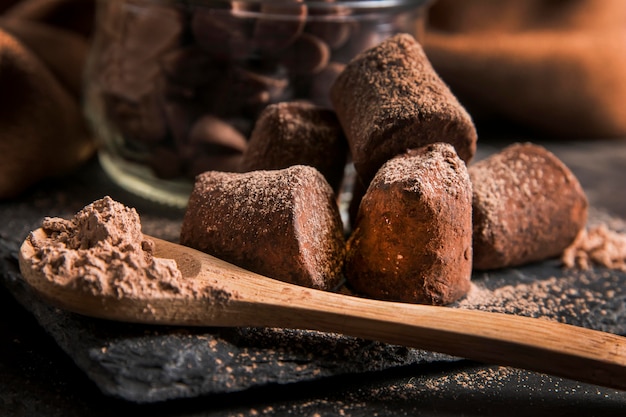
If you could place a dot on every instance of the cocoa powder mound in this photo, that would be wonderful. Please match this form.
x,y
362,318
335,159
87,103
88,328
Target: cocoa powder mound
x,y
597,245
102,251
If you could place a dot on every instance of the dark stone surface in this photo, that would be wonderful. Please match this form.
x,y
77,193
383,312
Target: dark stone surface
x,y
154,363
57,364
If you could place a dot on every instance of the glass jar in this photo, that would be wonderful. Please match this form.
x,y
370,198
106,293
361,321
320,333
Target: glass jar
x,y
173,87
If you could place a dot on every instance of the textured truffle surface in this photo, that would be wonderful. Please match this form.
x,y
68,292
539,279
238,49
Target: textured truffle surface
x,y
413,235
297,133
284,224
527,206
389,99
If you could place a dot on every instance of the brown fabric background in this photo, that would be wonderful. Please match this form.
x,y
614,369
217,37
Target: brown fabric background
x,y
557,67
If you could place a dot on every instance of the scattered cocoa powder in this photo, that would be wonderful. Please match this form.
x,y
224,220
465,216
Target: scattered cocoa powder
x,y
593,299
597,245
474,379
102,251
548,299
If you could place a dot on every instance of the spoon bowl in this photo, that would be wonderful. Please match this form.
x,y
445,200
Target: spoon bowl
x,y
232,296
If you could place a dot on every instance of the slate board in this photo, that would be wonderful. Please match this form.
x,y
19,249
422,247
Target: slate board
x,y
147,364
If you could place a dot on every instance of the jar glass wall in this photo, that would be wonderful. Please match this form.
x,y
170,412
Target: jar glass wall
x,y
173,87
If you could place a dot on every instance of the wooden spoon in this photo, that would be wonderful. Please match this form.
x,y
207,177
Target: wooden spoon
x,y
237,297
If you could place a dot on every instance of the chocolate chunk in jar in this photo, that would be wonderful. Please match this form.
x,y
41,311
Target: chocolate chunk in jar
x,y
528,206
278,25
180,115
284,224
259,88
363,36
131,81
190,67
246,91
298,133
141,120
389,99
334,33
203,143
214,132
212,145
413,236
321,82
307,55
220,33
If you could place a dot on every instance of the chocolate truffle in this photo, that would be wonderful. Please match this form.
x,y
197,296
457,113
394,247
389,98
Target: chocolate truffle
x,y
389,99
298,133
284,224
527,206
413,236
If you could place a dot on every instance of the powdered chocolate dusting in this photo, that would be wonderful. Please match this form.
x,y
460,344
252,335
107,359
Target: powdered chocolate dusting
x,y
527,206
389,99
102,251
597,245
297,133
284,224
412,236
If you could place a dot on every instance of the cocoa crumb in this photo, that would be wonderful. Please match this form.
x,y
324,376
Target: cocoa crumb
x,y
597,245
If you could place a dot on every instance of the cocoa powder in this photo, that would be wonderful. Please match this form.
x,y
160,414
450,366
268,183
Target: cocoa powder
x,y
102,251
597,245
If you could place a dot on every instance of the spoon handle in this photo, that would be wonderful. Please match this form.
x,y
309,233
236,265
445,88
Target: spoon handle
x,y
535,344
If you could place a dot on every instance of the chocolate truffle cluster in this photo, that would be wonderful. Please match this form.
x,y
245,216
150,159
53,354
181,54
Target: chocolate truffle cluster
x,y
423,217
180,84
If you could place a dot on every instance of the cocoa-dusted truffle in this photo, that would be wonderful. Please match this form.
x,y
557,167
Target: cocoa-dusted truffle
x,y
528,206
413,236
284,224
297,133
389,99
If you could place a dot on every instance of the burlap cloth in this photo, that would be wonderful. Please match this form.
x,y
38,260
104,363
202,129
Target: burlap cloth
x,y
557,67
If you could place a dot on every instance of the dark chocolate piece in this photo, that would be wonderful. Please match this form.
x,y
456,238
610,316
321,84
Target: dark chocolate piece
x,y
528,206
389,99
298,133
413,236
278,24
308,55
284,224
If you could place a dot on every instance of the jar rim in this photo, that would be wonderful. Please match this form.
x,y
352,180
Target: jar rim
x,y
321,4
